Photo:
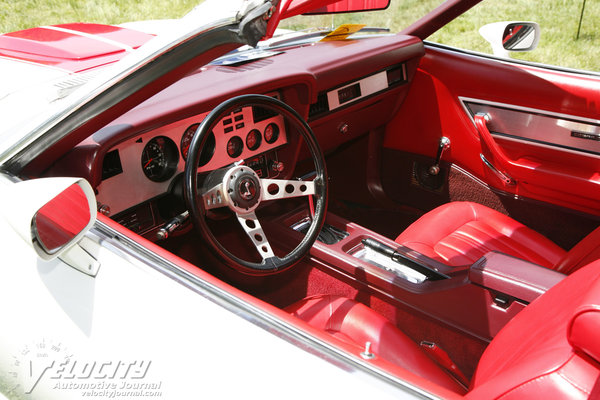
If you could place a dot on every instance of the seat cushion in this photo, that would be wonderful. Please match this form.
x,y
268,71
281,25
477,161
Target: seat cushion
x,y
584,252
356,324
550,349
459,233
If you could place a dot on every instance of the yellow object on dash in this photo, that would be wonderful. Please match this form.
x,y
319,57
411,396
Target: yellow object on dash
x,y
342,32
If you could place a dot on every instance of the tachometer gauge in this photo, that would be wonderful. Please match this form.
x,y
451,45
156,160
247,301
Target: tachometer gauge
x,y
207,151
253,139
235,146
271,133
159,159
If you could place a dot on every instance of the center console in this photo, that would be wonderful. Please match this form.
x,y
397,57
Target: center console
x,y
478,299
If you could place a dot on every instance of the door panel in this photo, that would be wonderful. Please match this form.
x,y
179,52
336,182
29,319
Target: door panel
x,y
543,132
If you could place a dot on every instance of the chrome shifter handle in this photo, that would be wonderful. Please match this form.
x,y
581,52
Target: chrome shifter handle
x,y
443,145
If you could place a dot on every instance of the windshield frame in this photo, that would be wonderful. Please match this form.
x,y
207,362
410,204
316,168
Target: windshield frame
x,y
207,32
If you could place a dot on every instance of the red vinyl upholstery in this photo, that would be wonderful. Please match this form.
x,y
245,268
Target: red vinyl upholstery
x,y
460,233
356,324
584,252
549,350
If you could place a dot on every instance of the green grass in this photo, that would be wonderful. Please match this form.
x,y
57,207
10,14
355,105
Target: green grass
x,y
21,14
558,20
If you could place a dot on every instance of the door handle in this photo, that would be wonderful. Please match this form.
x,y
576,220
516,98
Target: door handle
x,y
481,120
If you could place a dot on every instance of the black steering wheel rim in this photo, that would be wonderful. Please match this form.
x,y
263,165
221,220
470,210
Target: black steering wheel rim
x,y
196,204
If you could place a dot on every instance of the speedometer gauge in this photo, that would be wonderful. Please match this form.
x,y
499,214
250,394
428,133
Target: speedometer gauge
x,y
159,159
207,151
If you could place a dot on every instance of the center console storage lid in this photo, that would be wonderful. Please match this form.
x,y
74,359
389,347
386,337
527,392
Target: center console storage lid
x,y
512,276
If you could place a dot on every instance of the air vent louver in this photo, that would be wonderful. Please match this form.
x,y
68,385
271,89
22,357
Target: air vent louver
x,y
320,107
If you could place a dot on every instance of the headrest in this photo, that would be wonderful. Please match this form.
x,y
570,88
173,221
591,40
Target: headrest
x,y
584,327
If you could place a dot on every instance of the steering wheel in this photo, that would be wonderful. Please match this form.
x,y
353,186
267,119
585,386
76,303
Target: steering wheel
x,y
240,189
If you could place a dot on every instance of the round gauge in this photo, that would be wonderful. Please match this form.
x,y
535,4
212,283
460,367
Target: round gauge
x,y
159,159
207,151
253,139
235,146
271,133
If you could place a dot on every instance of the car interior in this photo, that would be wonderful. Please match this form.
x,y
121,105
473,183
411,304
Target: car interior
x,y
448,204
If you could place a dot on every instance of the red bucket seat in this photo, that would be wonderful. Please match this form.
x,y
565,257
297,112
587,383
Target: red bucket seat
x,y
550,350
459,233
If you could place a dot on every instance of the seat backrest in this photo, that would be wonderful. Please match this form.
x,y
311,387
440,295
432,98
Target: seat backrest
x,y
583,253
549,350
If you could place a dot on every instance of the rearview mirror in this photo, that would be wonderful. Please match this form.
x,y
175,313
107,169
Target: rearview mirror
x,y
511,36
345,6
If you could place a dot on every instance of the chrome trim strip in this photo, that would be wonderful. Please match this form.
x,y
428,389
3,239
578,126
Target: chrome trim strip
x,y
368,85
117,242
513,107
538,127
504,177
547,146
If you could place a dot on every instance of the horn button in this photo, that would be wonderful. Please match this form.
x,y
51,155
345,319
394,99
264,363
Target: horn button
x,y
243,189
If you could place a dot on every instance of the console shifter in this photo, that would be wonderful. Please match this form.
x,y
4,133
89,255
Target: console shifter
x,y
443,145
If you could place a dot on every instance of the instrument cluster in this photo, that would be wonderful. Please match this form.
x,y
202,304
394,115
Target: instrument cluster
x,y
245,133
143,167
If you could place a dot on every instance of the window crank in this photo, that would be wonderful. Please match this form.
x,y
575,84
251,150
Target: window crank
x,y
444,145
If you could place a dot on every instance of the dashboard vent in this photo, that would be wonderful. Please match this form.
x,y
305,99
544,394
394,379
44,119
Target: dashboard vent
x,y
396,75
111,165
320,107
261,113
251,66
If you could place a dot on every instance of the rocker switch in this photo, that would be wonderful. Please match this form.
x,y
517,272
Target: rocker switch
x,y
443,145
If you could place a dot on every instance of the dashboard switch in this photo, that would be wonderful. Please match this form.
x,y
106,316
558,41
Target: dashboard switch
x,y
104,209
344,128
277,166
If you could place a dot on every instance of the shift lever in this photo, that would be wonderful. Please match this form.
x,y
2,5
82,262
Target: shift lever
x,y
443,146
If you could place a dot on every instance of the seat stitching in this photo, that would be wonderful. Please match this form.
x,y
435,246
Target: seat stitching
x,y
560,373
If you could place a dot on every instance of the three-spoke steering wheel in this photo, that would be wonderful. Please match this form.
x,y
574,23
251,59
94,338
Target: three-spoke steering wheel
x,y
240,189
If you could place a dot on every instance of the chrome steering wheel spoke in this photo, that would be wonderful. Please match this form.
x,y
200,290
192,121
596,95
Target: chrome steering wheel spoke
x,y
251,226
273,189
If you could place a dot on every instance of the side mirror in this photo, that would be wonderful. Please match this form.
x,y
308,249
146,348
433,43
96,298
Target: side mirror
x,y
511,36
50,214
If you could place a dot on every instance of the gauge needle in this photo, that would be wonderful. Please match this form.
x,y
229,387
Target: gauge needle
x,y
148,163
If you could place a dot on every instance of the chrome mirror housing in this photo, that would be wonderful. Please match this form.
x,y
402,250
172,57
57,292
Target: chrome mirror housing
x,y
508,36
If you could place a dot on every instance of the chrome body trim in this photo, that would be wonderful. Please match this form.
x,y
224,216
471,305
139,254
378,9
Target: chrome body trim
x,y
538,127
505,178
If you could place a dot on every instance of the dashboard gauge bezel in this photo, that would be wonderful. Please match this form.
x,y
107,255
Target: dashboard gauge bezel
x,y
238,149
270,139
207,152
255,135
159,159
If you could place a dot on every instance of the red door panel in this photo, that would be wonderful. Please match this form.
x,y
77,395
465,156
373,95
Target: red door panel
x,y
560,170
